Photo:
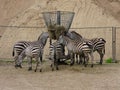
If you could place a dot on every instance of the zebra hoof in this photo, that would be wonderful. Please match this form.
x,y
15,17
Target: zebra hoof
x,y
40,70
30,68
85,65
51,65
52,69
18,66
57,68
100,63
35,70
71,64
92,66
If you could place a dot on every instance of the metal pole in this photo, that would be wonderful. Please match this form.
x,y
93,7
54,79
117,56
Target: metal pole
x,y
58,18
114,44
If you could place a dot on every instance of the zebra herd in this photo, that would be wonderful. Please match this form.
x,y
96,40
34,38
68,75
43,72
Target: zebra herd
x,y
74,42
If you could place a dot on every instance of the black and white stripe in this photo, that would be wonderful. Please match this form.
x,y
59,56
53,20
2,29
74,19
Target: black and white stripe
x,y
98,44
32,50
56,53
77,47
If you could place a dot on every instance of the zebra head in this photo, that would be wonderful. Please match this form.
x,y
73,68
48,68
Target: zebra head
x,y
63,39
18,63
19,60
43,37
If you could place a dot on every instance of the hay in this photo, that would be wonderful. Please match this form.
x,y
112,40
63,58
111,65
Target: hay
x,y
55,31
59,30
51,31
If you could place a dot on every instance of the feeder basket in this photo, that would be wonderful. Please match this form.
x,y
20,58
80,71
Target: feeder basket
x,y
57,22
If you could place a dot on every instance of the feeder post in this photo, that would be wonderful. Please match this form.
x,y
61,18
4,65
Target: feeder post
x,y
114,44
58,18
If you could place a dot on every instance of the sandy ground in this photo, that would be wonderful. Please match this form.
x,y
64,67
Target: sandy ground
x,y
105,77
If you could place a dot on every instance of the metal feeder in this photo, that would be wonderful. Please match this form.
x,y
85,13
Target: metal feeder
x,y
58,22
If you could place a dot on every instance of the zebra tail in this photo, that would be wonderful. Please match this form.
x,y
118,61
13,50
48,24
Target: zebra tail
x,y
104,50
13,53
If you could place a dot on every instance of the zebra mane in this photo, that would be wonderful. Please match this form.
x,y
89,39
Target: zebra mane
x,y
40,35
67,38
75,33
43,35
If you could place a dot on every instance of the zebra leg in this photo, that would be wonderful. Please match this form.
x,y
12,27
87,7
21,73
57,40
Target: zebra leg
x,y
77,61
92,59
16,60
101,59
72,59
52,64
85,59
56,64
81,60
37,60
56,61
101,53
40,63
29,63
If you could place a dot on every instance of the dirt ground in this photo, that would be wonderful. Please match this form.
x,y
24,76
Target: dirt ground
x,y
105,77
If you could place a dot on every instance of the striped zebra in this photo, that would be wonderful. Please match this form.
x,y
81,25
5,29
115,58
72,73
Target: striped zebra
x,y
99,46
77,47
20,46
98,43
56,53
34,50
75,36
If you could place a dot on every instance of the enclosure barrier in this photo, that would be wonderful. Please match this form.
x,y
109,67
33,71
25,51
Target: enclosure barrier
x,y
112,28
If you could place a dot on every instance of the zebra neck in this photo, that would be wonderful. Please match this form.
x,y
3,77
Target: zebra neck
x,y
67,40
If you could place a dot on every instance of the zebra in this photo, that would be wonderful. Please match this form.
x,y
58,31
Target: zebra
x,y
98,43
77,47
32,51
75,36
56,53
99,46
20,46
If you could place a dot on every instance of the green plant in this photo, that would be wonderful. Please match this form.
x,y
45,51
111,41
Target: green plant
x,y
109,60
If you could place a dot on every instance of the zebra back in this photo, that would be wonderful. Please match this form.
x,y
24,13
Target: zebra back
x,y
74,46
22,45
34,50
98,43
95,43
